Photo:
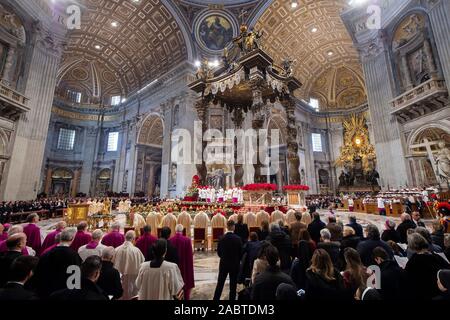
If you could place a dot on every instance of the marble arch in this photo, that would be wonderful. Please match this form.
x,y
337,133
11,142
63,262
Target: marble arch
x,y
151,131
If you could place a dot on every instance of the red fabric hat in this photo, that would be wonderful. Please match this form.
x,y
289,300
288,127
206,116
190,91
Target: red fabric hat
x,y
444,208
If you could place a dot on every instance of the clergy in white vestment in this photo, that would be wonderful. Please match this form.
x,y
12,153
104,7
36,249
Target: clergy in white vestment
x,y
262,216
127,261
153,221
277,215
219,221
201,221
184,218
94,247
250,220
290,217
170,221
159,279
139,223
233,217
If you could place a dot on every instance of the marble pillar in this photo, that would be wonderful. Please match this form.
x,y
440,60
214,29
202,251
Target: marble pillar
x,y
387,139
439,13
23,173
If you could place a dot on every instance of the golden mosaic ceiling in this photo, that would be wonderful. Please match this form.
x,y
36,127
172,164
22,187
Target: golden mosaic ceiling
x,y
313,35
131,41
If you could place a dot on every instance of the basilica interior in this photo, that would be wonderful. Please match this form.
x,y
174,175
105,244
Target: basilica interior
x,y
89,108
155,102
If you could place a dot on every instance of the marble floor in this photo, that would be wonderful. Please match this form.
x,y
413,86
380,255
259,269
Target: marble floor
x,y
206,264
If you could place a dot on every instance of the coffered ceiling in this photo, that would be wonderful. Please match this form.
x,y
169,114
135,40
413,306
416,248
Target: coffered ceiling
x,y
130,42
314,36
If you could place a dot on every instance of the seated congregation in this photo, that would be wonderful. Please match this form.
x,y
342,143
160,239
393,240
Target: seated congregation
x,y
301,256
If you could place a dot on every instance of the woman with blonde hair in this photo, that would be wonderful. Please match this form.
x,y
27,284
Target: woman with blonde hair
x,y
323,282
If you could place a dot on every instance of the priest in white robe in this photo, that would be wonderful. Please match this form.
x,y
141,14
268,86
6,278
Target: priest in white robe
x,y
184,218
159,279
127,261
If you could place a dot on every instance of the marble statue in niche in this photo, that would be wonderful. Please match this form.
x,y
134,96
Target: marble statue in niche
x,y
443,163
173,175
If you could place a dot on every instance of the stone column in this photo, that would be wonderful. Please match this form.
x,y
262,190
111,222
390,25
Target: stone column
x,y
75,182
201,107
90,137
292,144
48,181
440,23
151,180
25,168
380,92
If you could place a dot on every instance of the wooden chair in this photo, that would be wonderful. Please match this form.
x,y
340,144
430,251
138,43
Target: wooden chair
x,y
217,233
200,238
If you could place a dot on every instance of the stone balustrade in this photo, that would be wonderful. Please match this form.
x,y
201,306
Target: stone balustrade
x,y
421,100
12,103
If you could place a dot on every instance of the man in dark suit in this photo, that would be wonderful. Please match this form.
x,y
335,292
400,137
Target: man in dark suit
x,y
172,252
373,240
109,280
51,272
229,250
20,272
241,229
315,226
404,226
266,283
356,226
392,276
14,244
90,272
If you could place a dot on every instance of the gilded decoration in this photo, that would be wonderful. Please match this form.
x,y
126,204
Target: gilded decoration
x,y
408,29
356,144
315,37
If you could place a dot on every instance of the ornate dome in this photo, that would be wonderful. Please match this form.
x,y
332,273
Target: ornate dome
x,y
129,43
314,36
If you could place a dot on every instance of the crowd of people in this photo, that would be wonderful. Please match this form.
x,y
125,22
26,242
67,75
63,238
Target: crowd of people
x,y
292,256
50,204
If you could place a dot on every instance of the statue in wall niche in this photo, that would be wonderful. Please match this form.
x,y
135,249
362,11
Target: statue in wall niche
x,y
443,162
173,175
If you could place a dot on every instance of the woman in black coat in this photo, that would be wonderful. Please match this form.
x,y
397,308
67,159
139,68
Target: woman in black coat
x,y
422,268
302,262
323,282
390,233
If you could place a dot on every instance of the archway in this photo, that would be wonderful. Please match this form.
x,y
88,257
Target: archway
x,y
149,156
427,149
61,181
104,181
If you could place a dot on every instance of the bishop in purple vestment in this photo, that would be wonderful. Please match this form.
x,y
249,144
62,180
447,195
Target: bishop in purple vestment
x,y
33,232
185,259
82,237
114,238
49,240
145,242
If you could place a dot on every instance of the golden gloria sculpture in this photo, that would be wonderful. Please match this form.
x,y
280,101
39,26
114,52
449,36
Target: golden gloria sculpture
x,y
356,144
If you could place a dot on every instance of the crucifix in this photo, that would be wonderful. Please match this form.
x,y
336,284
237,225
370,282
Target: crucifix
x,y
242,16
427,144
